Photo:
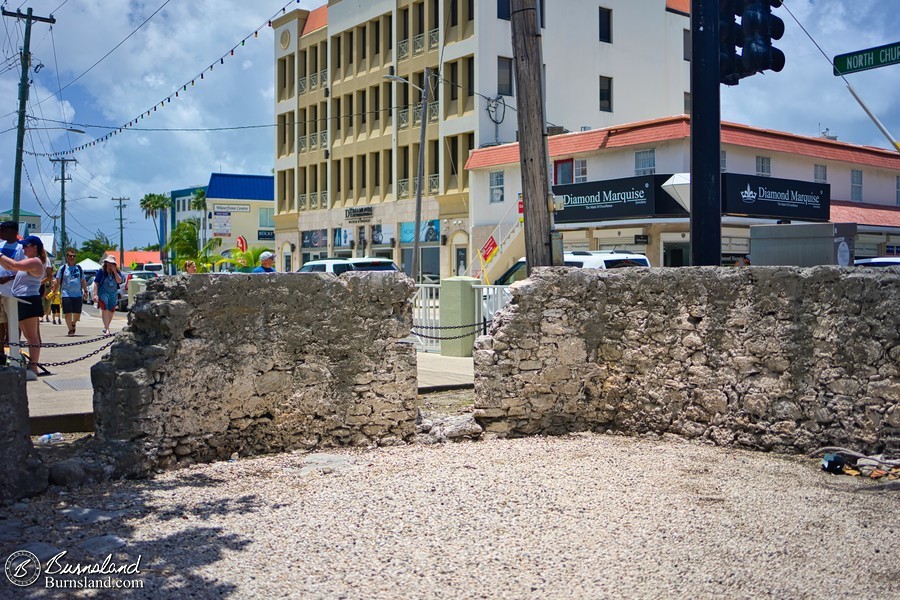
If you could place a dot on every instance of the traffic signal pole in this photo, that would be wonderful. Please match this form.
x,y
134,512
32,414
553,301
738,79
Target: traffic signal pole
x,y
706,179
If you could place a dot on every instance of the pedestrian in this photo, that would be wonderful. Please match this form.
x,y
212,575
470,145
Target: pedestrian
x,y
55,302
26,287
10,248
106,289
190,267
72,287
46,284
266,263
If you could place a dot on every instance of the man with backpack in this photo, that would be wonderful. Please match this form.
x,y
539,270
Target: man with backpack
x,y
72,286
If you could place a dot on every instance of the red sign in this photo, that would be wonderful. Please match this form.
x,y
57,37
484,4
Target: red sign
x,y
489,249
242,243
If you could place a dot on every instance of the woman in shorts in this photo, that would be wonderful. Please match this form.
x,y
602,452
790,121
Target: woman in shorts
x,y
106,288
26,287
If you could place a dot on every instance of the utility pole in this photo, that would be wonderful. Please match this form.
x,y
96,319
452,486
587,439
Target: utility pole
x,y
420,174
121,207
63,240
526,43
23,99
706,177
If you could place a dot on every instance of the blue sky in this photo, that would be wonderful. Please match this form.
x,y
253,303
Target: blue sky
x,y
187,36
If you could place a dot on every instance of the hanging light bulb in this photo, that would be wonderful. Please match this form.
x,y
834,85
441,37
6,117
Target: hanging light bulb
x,y
221,61
256,33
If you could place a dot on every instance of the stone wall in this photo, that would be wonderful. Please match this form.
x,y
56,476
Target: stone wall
x,y
215,364
770,358
22,473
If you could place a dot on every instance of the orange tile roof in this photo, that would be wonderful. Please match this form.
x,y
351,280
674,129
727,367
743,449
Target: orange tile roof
x,y
682,6
865,214
134,256
316,20
679,127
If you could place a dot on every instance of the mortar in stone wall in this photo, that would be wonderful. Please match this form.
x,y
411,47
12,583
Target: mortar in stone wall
x,y
215,364
778,358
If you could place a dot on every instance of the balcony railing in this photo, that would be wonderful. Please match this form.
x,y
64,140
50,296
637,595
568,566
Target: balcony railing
x,y
434,184
323,139
301,85
323,198
403,118
403,188
417,114
434,39
402,49
301,201
323,77
301,143
313,140
419,44
433,112
313,81
313,201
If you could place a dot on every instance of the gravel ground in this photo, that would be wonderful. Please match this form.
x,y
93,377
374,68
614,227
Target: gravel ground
x,y
581,516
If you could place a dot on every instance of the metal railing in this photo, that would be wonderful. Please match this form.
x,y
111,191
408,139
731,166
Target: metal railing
x,y
323,198
301,201
433,112
313,140
301,143
403,188
301,85
434,184
434,39
426,316
323,139
402,118
313,201
417,114
489,300
323,77
313,81
402,49
419,44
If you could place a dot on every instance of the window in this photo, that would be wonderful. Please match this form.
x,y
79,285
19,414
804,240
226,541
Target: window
x,y
267,217
856,182
687,103
686,43
362,42
376,33
606,93
605,25
503,9
645,162
504,76
496,186
454,81
580,170
562,172
454,13
722,160
763,166
820,173
470,76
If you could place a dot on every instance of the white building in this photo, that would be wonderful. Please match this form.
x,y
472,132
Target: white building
x,y
347,139
861,182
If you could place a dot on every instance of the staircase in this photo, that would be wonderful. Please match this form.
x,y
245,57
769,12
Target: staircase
x,y
509,234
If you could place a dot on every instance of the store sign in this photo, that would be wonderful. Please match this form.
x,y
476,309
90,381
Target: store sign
x,y
362,214
489,249
767,197
314,238
265,234
628,198
343,237
231,207
382,234
430,231
221,224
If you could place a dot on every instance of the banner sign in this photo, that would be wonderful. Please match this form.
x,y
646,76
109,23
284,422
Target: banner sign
x,y
221,224
767,197
627,198
342,237
430,231
382,234
489,249
265,234
314,238
231,207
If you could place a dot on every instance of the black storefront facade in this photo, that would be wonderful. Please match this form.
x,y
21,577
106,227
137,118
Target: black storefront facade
x,y
639,214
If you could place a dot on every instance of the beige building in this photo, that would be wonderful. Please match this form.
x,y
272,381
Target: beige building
x,y
347,139
240,211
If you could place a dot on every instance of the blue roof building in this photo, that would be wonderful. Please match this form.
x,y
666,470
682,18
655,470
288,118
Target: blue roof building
x,y
241,187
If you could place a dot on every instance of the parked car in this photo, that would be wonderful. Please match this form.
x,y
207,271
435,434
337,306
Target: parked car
x,y
881,261
368,263
88,296
123,287
341,265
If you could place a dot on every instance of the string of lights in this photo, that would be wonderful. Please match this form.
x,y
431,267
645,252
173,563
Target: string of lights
x,y
182,89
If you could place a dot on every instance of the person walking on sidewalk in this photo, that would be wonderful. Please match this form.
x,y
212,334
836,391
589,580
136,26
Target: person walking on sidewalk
x,y
72,287
106,286
26,286
55,302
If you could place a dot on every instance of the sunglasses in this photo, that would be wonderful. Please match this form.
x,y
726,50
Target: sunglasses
x,y
70,256
29,245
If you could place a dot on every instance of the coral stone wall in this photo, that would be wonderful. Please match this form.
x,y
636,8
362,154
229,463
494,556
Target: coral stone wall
x,y
22,473
776,358
215,364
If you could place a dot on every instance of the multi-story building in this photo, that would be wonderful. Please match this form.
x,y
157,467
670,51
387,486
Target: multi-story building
x,y
620,187
347,138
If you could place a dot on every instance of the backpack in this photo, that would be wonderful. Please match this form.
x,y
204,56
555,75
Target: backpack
x,y
76,271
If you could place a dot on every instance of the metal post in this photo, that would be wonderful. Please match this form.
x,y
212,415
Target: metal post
x,y
63,240
416,273
706,177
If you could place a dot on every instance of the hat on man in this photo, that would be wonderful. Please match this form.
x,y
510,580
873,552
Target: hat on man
x,y
33,240
110,259
9,225
267,256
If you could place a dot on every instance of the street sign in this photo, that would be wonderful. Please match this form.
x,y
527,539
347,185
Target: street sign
x,y
863,60
489,249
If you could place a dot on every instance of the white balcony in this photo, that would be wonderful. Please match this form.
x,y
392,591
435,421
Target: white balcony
x,y
313,81
434,39
403,188
301,201
301,85
403,118
419,44
402,49
434,184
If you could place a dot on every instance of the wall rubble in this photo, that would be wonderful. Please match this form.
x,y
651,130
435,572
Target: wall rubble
x,y
215,364
769,358
22,473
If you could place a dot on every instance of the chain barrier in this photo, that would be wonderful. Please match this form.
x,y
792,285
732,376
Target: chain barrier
x,y
58,345
474,327
25,362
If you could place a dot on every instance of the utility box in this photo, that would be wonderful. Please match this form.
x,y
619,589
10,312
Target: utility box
x,y
803,245
135,287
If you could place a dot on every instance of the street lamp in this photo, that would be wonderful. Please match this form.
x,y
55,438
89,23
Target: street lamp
x,y
20,143
417,275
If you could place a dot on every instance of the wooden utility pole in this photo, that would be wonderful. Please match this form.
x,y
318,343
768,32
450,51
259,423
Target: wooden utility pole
x,y
121,206
526,45
63,239
23,99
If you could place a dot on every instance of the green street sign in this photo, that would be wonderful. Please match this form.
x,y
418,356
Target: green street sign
x,y
863,60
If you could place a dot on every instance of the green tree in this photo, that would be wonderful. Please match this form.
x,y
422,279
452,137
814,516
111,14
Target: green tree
x,y
185,243
96,247
153,206
244,262
198,202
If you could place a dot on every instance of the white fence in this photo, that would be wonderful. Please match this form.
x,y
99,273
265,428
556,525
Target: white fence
x,y
493,298
427,318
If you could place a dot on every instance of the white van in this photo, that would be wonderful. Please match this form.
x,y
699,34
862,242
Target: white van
x,y
155,267
596,259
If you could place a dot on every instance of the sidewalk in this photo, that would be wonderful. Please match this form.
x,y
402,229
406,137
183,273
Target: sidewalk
x,y
68,391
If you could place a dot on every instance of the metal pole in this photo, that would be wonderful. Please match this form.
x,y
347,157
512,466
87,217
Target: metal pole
x,y
416,273
706,177
20,134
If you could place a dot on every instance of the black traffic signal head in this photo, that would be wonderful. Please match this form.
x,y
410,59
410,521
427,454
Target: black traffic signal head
x,y
754,33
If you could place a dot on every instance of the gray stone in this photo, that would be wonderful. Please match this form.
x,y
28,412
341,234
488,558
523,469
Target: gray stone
x,y
90,516
43,551
22,473
10,529
68,473
104,544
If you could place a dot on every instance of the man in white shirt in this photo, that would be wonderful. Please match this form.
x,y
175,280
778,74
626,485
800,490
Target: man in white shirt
x,y
12,248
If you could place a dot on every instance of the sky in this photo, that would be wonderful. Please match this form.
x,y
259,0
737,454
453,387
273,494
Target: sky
x,y
233,105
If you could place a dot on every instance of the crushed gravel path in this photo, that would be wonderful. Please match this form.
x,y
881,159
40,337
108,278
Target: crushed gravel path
x,y
581,516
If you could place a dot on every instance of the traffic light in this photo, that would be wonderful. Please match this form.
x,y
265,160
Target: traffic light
x,y
754,33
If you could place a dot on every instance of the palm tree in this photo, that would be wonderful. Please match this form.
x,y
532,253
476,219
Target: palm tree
x,y
244,261
153,205
185,243
198,202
